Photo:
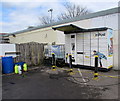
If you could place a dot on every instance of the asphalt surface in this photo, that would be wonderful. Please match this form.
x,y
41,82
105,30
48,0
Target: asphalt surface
x,y
37,84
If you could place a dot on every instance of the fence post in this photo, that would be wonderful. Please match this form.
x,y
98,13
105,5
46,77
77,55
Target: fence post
x,y
96,68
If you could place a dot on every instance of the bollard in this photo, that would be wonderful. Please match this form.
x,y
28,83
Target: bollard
x,y
66,57
53,62
70,60
25,67
96,68
70,63
16,69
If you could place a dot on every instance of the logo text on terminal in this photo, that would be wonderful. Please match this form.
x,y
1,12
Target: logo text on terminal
x,y
100,34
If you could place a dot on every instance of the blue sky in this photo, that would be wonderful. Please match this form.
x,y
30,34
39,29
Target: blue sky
x,y
19,14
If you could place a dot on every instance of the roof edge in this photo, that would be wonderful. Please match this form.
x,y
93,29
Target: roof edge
x,y
88,16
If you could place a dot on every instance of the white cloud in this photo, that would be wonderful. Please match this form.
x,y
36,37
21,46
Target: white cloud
x,y
28,11
18,24
20,20
29,3
93,1
97,5
27,14
19,1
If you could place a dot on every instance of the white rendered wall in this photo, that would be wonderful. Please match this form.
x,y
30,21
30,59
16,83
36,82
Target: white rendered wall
x,y
7,48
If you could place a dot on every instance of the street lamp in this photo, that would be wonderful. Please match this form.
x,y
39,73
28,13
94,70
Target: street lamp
x,y
50,10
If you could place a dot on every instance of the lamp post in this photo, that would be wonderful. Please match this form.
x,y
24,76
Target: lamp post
x,y
50,10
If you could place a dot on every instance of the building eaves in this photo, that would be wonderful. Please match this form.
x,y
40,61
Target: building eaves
x,y
83,17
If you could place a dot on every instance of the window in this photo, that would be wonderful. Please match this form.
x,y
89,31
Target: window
x,y
72,36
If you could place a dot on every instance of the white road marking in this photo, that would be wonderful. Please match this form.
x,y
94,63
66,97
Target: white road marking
x,y
81,75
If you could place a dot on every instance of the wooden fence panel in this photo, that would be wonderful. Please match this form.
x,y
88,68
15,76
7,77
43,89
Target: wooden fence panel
x,y
32,53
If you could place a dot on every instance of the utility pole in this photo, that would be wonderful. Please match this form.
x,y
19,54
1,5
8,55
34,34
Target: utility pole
x,y
50,10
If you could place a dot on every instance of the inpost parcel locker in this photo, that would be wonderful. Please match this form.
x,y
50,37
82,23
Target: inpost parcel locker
x,y
82,42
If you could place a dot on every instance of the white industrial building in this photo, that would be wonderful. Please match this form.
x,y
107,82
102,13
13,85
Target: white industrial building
x,y
46,34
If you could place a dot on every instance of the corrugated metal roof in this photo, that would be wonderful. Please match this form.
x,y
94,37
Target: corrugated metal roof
x,y
88,16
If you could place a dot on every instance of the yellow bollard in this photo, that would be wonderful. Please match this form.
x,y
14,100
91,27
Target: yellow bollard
x,y
53,68
96,68
53,62
16,69
25,67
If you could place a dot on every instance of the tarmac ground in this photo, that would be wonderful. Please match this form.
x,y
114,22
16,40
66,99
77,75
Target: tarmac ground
x,y
45,83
